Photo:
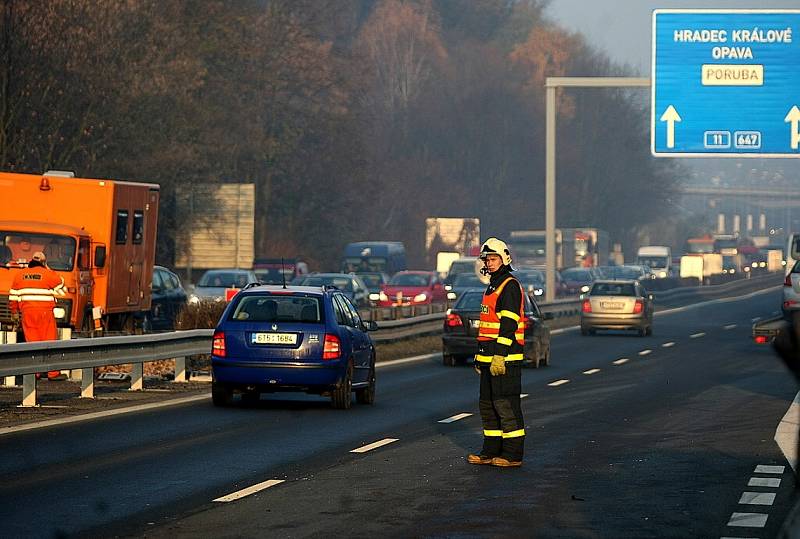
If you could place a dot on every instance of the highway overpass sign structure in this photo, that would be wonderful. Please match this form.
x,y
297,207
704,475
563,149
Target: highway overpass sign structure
x,y
725,83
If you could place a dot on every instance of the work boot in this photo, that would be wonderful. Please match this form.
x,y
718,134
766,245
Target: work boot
x,y
478,459
503,462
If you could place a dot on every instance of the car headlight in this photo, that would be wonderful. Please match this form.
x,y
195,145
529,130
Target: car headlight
x,y
585,288
747,268
450,295
724,272
382,296
538,291
448,287
783,262
762,264
59,312
193,299
662,274
732,270
374,296
754,264
420,297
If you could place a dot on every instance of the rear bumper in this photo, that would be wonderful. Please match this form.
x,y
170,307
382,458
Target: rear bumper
x,y
272,376
614,321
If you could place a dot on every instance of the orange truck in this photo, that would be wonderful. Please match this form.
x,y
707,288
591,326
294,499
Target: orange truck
x,y
99,235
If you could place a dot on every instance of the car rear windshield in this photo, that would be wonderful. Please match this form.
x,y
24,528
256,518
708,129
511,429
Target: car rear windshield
x,y
278,308
613,289
410,279
470,301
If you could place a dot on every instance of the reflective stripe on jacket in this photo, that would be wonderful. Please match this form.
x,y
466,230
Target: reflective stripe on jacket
x,y
35,288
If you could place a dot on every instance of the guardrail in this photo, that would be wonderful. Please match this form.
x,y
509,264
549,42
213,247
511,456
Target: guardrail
x,y
83,355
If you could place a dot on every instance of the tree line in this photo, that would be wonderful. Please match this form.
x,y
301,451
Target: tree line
x,y
355,119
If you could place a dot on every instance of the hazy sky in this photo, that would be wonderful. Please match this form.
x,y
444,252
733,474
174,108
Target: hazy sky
x,y
622,27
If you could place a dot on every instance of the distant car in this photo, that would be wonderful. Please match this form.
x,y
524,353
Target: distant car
x,y
578,280
622,304
350,284
300,338
168,297
278,270
412,288
464,264
213,283
460,332
635,272
532,281
374,281
463,282
791,292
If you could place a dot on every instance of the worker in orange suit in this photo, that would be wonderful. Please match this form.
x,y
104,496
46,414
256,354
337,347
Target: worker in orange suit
x,y
32,298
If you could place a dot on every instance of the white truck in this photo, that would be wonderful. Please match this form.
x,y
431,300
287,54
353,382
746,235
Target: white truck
x,y
701,266
658,258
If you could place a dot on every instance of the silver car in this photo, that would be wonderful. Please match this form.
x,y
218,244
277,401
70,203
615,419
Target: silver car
x,y
791,292
617,305
213,283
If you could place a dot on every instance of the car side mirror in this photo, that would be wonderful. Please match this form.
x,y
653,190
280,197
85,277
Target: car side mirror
x,y
100,256
371,325
547,316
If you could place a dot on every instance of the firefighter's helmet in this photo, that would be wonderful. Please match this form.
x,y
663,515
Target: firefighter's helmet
x,y
497,247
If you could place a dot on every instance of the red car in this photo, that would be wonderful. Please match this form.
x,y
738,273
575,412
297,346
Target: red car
x,y
412,288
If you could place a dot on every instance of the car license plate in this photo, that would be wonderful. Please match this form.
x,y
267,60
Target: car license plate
x,y
274,338
611,305
475,323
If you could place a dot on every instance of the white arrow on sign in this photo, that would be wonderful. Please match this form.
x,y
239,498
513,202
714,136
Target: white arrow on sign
x,y
670,116
794,118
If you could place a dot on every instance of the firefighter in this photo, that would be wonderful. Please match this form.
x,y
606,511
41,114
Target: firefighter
x,y
501,337
32,298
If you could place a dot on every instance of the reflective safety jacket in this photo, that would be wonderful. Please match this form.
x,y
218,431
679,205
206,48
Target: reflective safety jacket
x,y
35,288
502,323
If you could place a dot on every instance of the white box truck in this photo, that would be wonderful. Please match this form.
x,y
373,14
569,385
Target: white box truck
x,y
658,258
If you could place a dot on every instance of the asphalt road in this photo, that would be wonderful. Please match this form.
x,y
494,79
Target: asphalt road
x,y
621,443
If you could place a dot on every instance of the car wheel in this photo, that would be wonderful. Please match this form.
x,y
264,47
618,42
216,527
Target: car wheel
x,y
546,357
648,331
448,360
585,331
221,395
342,395
367,395
641,332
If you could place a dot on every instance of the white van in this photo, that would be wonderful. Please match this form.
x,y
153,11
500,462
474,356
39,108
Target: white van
x,y
658,258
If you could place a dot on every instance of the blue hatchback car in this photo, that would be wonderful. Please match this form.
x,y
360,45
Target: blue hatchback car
x,y
298,338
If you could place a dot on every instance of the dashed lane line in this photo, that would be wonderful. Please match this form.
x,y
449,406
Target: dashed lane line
x,y
730,326
645,352
768,482
748,520
621,361
374,445
591,371
757,498
763,468
756,319
669,344
697,335
453,418
523,395
249,490
558,383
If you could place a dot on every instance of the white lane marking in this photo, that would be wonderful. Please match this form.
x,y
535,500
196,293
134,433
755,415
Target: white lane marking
x,y
621,361
669,344
730,326
105,413
763,468
374,445
523,395
413,359
748,520
757,498
558,383
249,490
645,352
786,433
697,335
591,371
756,319
769,482
454,418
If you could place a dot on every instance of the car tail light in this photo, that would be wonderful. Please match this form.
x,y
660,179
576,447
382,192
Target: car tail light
x,y
453,320
332,348
788,280
218,344
586,306
638,306
761,339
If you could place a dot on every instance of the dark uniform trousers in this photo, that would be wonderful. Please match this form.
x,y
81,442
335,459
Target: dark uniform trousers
x,y
501,412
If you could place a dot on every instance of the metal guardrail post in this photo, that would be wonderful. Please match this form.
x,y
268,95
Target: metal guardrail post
x,y
87,383
9,337
29,391
137,377
180,369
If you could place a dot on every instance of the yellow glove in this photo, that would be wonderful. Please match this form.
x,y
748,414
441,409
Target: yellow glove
x,y
498,366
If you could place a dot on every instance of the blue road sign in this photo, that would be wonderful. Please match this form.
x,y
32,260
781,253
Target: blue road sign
x,y
725,83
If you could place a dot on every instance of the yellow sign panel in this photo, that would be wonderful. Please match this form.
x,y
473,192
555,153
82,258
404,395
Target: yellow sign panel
x,y
732,75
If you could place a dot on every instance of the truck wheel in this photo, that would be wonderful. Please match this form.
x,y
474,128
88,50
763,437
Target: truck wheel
x,y
221,395
342,395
